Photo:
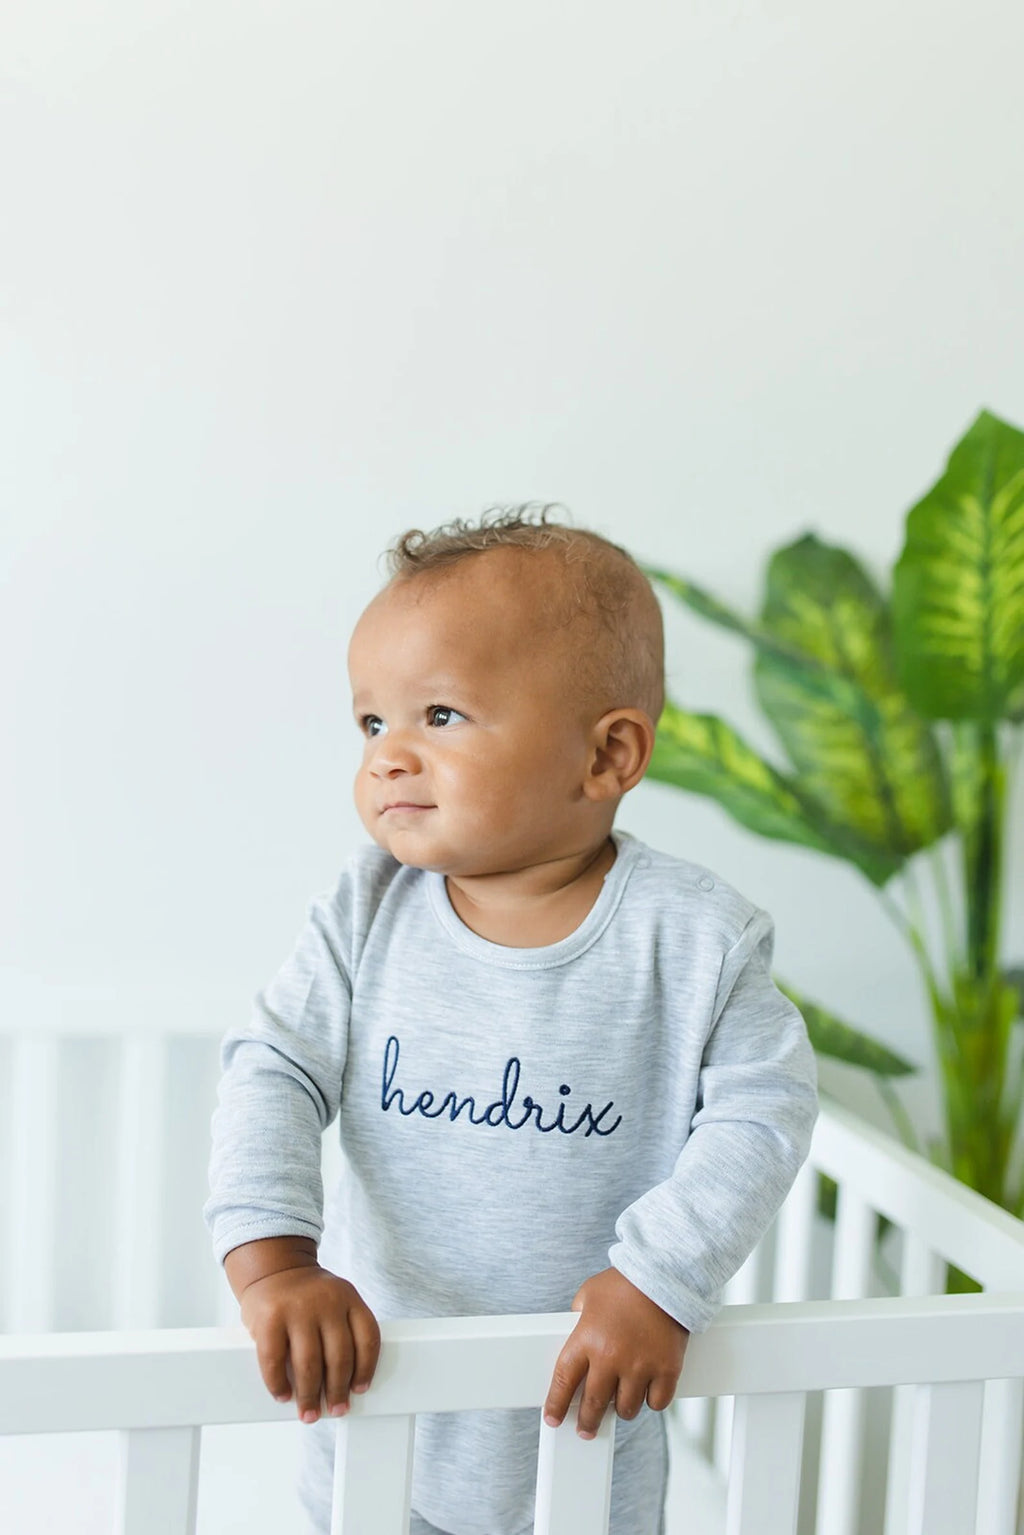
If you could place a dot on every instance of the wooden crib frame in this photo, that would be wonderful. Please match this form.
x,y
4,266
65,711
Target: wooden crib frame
x,y
953,1464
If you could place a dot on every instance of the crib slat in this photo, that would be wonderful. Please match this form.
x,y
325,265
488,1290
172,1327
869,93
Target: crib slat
x,y
741,1290
999,1475
854,1244
33,1149
764,1478
373,1475
138,1254
574,1478
944,1462
794,1234
842,1439
842,1427
694,1413
721,1449
922,1272
158,1485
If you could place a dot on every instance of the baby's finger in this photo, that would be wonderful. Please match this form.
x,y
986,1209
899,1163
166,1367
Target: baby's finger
x,y
661,1391
272,1354
629,1397
366,1339
570,1368
336,1341
306,1361
599,1390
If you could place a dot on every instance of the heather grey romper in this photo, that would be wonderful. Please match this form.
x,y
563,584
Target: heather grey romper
x,y
514,1120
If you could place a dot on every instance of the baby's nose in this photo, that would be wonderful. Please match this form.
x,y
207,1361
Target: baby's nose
x,y
394,754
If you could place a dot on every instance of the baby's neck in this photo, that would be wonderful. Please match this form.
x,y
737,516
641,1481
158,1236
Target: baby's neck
x,y
531,908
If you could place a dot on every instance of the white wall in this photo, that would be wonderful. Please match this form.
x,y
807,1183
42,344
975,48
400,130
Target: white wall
x,y
282,279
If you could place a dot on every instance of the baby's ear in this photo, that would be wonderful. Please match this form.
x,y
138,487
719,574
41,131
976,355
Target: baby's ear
x,y
622,742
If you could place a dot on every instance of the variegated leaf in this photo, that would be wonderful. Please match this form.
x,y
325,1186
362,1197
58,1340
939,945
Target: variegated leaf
x,y
702,753
958,586
842,708
709,607
967,773
861,751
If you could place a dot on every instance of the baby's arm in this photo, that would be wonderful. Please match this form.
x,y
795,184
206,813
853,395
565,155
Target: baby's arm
x,y
279,1090
679,1243
624,1350
312,1330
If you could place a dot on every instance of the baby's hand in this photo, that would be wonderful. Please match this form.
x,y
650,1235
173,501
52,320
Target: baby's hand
x,y
624,1347
312,1332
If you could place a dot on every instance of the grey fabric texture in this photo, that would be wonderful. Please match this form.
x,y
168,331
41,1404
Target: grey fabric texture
x,y
639,1094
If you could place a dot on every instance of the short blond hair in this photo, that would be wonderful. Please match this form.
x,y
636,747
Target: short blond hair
x,y
622,660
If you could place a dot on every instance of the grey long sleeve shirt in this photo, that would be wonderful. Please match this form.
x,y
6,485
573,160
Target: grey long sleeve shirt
x,y
514,1120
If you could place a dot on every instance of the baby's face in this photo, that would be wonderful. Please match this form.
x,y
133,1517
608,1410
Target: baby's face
x,y
474,753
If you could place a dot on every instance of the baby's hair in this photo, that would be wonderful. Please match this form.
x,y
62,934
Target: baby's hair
x,y
527,526
623,663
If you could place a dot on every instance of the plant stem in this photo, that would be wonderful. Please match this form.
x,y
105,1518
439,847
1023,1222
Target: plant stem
x,y
908,875
914,901
917,943
953,940
945,1042
901,1119
983,857
976,1033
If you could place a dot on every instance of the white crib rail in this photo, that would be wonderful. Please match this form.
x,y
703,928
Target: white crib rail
x,y
150,1263
945,1217
161,1387
942,1222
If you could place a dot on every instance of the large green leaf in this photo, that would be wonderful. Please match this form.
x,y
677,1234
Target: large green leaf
x,y
831,1035
709,607
849,744
958,586
861,751
702,753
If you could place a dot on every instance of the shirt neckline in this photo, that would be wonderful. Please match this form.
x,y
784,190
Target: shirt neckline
x,y
628,853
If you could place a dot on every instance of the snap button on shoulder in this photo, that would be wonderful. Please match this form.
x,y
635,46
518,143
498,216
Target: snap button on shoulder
x,y
706,882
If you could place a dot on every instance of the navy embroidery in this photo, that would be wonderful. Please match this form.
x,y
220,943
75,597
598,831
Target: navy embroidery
x,y
503,1111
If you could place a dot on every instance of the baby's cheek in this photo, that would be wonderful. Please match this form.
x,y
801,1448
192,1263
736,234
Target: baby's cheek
x,y
364,806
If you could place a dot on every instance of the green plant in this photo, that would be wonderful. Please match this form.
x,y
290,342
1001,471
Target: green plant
x,y
900,716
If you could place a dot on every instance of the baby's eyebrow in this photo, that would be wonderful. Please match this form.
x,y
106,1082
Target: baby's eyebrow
x,y
451,693
434,690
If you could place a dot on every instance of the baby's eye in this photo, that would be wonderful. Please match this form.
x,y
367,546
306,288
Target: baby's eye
x,y
372,725
441,714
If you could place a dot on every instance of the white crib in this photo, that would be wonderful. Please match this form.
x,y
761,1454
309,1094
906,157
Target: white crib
x,y
816,1403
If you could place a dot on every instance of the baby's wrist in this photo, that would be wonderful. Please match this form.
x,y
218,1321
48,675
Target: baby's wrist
x,y
251,1261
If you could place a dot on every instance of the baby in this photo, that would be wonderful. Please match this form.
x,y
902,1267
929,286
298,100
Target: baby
x,y
562,1074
